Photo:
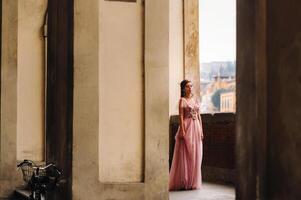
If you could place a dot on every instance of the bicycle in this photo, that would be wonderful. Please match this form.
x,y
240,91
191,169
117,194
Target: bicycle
x,y
40,179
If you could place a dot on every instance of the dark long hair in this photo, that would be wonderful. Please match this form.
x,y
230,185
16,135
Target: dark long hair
x,y
183,85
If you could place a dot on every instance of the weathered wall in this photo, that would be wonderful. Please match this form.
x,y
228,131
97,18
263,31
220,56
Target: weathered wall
x,y
85,170
176,54
251,90
121,97
269,100
157,28
191,44
284,99
22,88
8,139
30,83
88,50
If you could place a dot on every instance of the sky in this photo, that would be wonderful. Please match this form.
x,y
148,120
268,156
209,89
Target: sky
x,y
217,29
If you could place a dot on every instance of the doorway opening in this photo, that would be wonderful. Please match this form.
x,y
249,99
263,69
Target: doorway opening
x,y
214,76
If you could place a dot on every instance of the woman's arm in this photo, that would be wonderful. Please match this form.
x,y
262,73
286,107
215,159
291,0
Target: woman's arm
x,y
181,113
200,121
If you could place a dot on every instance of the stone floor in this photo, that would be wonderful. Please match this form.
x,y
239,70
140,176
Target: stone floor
x,y
209,191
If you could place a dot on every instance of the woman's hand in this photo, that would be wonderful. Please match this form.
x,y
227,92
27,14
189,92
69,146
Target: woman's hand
x,y
182,133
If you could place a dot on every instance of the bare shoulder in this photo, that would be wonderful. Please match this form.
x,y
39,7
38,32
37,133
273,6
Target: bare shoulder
x,y
181,101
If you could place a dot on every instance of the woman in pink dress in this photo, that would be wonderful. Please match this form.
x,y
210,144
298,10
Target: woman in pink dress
x,y
185,173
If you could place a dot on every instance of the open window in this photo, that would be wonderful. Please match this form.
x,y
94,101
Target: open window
x,y
217,43
210,63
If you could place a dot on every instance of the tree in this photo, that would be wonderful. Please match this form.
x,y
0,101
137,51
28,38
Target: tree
x,y
216,97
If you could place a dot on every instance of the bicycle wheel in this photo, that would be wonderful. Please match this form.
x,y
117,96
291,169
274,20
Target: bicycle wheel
x,y
43,197
37,196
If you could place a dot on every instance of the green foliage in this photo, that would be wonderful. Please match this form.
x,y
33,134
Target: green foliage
x,y
216,97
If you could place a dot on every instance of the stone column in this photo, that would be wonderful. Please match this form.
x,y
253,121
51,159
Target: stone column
x,y
8,135
191,44
251,99
284,99
88,51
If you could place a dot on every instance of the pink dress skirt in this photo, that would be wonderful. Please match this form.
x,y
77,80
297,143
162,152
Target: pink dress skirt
x,y
185,173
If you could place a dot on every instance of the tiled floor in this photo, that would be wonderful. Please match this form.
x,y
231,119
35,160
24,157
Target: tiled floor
x,y
209,191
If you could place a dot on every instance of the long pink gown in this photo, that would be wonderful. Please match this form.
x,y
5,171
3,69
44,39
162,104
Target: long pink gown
x,y
185,173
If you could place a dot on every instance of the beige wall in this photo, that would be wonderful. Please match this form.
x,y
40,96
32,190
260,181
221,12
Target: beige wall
x,y
176,56
121,84
284,99
8,133
85,171
30,83
22,115
89,57
88,61
191,44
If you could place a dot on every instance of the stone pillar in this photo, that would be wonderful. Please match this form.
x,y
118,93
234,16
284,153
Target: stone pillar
x,y
157,29
87,54
31,104
176,54
191,44
284,99
8,135
251,99
269,99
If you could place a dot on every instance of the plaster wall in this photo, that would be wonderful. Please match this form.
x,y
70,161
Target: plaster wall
x,y
191,44
176,57
121,92
268,127
88,54
30,80
8,135
284,99
22,88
